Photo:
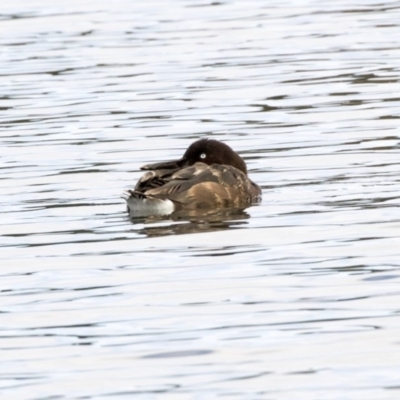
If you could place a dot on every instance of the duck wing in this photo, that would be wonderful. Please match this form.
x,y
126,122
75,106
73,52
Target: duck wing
x,y
207,186
153,179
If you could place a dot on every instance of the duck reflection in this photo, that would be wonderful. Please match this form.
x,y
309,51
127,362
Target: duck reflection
x,y
193,221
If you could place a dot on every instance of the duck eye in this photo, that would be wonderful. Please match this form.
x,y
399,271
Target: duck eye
x,y
203,155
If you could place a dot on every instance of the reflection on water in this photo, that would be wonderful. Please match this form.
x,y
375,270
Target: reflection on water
x,y
191,221
294,298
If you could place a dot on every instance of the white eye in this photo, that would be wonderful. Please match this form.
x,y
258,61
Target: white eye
x,y
203,155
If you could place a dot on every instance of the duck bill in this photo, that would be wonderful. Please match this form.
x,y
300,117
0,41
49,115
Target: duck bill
x,y
173,164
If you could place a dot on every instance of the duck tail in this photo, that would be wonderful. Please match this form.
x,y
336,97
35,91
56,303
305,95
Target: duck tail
x,y
142,204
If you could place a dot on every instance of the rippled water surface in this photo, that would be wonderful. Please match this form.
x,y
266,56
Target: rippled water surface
x,y
296,298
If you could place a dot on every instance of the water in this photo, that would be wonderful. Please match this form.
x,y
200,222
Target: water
x,y
297,297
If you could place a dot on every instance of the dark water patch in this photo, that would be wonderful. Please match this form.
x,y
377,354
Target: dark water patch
x,y
183,353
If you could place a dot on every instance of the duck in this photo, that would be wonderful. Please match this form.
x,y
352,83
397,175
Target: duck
x,y
209,175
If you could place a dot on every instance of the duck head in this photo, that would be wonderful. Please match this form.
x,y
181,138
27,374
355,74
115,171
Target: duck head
x,y
208,151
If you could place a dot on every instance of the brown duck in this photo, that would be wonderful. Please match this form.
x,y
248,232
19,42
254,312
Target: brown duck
x,y
210,175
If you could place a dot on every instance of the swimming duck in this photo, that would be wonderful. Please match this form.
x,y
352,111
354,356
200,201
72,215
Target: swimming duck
x,y
209,175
